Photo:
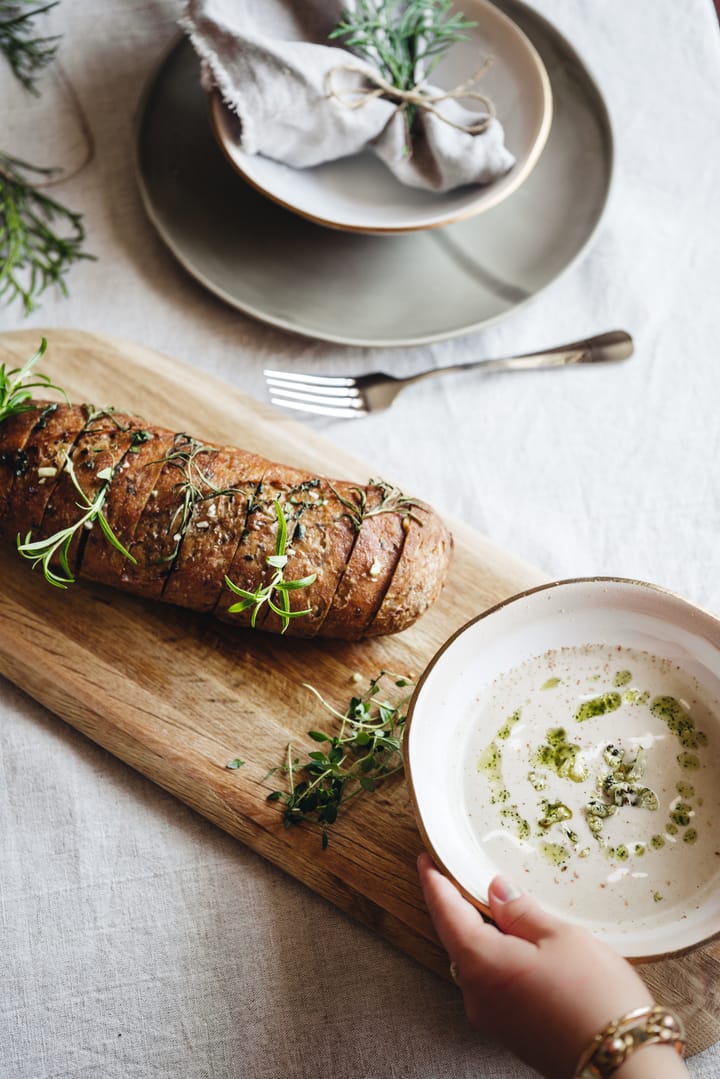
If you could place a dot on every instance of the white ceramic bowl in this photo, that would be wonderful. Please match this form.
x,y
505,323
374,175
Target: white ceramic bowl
x,y
359,194
649,883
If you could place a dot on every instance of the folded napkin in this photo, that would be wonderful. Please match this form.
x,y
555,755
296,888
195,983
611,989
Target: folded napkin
x,y
302,101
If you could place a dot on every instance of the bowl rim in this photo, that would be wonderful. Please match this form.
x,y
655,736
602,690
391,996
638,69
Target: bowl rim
x,y
488,196
545,587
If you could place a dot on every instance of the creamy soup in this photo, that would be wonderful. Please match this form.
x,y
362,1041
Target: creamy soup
x,y
596,769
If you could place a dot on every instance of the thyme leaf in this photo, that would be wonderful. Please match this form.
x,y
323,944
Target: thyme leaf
x,y
190,488
44,551
365,749
392,500
275,592
193,487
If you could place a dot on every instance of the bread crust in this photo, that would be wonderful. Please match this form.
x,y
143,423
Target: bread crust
x,y
49,442
13,459
369,569
217,521
192,515
419,572
100,445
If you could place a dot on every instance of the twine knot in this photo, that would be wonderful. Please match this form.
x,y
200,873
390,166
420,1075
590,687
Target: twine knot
x,y
418,96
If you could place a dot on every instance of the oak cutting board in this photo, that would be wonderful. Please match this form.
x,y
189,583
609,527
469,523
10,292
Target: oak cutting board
x,y
176,695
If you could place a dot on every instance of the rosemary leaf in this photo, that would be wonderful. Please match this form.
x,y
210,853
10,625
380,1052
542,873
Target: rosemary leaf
x,y
16,385
43,552
405,39
39,238
26,54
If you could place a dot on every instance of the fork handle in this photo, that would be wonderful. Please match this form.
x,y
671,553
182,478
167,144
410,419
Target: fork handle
x,y
603,348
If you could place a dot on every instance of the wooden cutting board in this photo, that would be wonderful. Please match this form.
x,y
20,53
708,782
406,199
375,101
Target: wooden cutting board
x,y
177,695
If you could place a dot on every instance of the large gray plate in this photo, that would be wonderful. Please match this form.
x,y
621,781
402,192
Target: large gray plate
x,y
373,290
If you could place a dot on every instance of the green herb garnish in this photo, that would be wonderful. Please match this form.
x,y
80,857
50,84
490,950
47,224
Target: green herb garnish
x,y
557,753
392,500
43,551
278,588
621,785
598,706
27,55
39,238
679,721
553,813
405,39
16,390
193,487
366,749
236,763
190,487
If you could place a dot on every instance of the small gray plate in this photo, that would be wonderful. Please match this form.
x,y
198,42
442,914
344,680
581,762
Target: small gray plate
x,y
373,290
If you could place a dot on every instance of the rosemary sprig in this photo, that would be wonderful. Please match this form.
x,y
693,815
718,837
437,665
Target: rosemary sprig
x,y
405,39
277,587
27,55
39,238
16,389
43,551
366,749
392,500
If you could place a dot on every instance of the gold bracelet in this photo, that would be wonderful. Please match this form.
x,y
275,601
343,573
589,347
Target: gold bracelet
x,y
610,1048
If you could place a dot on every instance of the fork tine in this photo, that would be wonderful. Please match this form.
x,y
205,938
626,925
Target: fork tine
x,y
313,380
343,392
321,410
329,401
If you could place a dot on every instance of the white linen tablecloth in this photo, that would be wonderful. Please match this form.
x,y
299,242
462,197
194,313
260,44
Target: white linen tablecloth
x,y
136,939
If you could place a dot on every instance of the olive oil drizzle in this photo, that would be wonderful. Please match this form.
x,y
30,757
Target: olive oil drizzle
x,y
618,780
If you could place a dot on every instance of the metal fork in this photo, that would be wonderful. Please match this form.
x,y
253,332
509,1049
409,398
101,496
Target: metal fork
x,y
349,397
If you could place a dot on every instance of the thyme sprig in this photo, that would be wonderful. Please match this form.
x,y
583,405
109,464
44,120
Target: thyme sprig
x,y
27,55
17,385
392,500
193,487
39,238
366,749
277,588
44,551
405,39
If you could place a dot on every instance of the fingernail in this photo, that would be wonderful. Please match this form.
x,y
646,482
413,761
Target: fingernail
x,y
504,890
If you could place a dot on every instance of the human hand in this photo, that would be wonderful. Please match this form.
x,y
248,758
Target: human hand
x,y
541,987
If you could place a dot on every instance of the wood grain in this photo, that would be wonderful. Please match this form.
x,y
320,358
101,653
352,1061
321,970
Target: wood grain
x,y
176,695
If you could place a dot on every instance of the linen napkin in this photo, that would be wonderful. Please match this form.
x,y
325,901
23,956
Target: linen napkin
x,y
303,101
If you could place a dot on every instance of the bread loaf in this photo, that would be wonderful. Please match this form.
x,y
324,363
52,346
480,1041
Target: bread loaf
x,y
201,526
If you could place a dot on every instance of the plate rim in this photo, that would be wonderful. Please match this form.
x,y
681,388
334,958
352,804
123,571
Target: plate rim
x,y
485,199
306,332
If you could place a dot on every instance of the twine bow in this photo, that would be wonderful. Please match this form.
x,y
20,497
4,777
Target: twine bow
x,y
417,96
